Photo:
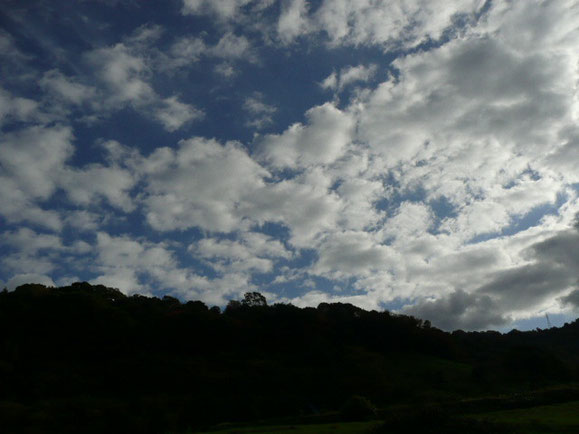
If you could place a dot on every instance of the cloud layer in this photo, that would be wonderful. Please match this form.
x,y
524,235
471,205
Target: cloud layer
x,y
432,171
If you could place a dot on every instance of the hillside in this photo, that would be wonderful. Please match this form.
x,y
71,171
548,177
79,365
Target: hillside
x,y
86,358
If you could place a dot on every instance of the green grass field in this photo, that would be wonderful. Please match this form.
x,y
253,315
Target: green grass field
x,y
554,418
340,428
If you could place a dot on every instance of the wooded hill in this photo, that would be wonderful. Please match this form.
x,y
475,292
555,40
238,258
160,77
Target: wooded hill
x,y
89,359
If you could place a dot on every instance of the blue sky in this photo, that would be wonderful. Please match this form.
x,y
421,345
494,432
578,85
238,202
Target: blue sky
x,y
419,156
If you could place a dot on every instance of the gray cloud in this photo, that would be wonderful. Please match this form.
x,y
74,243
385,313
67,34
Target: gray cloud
x,y
460,310
571,299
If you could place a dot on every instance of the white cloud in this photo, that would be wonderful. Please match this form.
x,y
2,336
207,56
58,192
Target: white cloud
x,y
321,141
226,70
33,156
260,113
133,266
190,49
231,46
17,108
21,279
410,221
351,254
254,252
31,159
411,190
223,9
64,87
304,204
187,50
202,184
293,20
121,261
30,242
348,75
123,73
174,114
390,24
358,197
26,250
90,184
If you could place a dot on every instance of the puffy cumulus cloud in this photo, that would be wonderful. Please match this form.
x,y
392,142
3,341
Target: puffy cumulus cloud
x,y
226,70
346,76
223,9
324,139
123,73
531,275
358,197
315,297
501,206
90,184
467,91
217,291
34,167
231,46
548,25
259,113
66,88
190,49
351,254
17,108
304,204
410,221
293,20
17,208
187,50
30,242
21,279
483,122
136,265
173,114
253,252
83,220
451,185
390,24
31,159
201,184
122,261
26,250
562,160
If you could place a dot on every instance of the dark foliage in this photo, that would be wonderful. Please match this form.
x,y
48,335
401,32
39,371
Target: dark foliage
x,y
89,359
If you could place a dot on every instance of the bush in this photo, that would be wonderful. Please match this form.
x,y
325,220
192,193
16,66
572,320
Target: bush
x,y
358,408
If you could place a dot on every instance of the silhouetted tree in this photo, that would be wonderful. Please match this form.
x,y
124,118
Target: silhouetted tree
x,y
254,299
232,306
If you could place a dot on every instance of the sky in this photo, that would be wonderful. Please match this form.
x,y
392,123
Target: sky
x,y
419,156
